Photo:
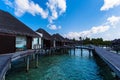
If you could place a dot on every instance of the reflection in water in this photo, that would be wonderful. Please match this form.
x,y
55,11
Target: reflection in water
x,y
69,66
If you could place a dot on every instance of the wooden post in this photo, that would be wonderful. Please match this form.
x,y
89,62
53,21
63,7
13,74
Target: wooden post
x,y
62,51
36,60
33,56
117,51
54,43
74,50
24,59
70,51
27,63
50,51
117,78
81,52
3,77
89,53
114,75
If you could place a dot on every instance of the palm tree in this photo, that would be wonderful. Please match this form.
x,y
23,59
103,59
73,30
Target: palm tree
x,y
80,40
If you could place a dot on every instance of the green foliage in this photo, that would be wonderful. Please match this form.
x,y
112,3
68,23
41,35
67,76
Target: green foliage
x,y
97,42
74,39
86,41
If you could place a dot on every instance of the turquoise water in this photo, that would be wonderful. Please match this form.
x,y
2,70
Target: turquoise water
x,y
69,66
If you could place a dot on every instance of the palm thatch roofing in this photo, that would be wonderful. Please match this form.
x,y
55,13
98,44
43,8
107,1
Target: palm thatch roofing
x,y
116,42
46,35
68,40
58,37
11,25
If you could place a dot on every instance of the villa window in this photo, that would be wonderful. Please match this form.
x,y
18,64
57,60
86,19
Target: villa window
x,y
21,42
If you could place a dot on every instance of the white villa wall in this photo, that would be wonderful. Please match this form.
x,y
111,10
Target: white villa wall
x,y
37,40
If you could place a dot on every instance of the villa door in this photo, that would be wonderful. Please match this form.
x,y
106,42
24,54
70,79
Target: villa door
x,y
7,43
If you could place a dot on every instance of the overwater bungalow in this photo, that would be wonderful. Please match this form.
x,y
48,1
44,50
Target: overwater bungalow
x,y
116,42
68,42
14,35
58,40
116,45
46,39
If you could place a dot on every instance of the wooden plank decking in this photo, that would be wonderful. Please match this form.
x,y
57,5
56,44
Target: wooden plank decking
x,y
21,54
112,59
85,47
5,64
6,59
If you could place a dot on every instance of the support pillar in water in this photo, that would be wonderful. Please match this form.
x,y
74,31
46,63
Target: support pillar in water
x,y
70,50
117,51
74,50
3,77
117,78
33,56
115,75
36,60
89,53
27,63
81,52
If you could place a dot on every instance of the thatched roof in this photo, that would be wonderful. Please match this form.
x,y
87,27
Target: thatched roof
x,y
116,42
11,25
68,40
46,35
58,37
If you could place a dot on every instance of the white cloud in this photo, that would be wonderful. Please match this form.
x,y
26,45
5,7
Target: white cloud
x,y
87,33
109,30
53,27
26,6
54,9
57,7
110,4
99,29
113,20
7,2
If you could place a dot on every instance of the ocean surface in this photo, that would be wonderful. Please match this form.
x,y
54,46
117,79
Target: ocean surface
x,y
66,66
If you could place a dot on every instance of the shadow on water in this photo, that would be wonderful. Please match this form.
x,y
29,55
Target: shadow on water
x,y
69,66
104,69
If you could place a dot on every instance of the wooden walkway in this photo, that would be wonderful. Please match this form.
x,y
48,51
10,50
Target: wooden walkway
x,y
6,59
84,47
5,64
21,54
112,59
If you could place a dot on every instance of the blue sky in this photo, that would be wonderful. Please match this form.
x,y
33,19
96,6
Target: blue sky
x,y
70,18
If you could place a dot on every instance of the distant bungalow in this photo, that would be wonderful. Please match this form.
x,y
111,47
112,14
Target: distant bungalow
x,y
58,40
116,42
46,41
68,42
116,45
14,35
